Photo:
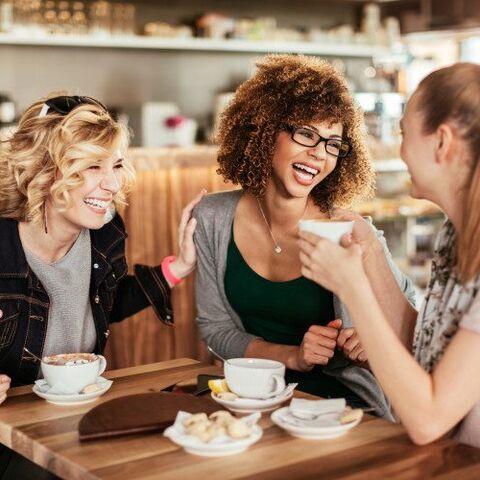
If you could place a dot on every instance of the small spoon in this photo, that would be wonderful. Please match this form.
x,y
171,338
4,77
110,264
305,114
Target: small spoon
x,y
32,354
215,354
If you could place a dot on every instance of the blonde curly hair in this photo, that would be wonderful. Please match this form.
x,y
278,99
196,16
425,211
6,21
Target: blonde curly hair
x,y
47,154
293,90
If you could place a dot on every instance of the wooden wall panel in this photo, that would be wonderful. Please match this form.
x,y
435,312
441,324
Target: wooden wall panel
x,y
167,179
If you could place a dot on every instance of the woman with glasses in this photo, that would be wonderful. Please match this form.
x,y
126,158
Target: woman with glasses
x,y
437,389
294,141
63,273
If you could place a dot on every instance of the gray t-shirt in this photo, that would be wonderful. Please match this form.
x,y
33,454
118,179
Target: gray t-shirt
x,y
70,325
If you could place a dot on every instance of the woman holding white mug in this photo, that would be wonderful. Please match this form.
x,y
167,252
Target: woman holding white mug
x,y
436,388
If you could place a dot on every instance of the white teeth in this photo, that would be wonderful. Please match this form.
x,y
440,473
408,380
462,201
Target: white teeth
x,y
313,171
96,203
305,176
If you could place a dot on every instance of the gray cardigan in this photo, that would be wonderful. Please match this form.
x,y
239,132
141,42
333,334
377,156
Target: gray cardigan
x,y
222,328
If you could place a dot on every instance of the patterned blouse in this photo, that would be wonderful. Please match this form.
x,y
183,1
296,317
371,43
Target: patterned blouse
x,y
449,305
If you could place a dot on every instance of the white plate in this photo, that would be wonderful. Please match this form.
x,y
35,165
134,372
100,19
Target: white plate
x,y
251,405
193,445
311,433
72,399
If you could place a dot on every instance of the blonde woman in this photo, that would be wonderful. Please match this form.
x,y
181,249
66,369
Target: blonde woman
x,y
63,274
437,389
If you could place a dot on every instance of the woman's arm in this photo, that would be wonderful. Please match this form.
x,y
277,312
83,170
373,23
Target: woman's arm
x,y
429,405
397,309
217,327
149,286
389,285
317,348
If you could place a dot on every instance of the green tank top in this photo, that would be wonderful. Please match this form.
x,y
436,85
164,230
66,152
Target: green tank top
x,y
281,312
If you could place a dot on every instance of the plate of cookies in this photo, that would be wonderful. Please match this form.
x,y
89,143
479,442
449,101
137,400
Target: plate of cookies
x,y
217,434
317,419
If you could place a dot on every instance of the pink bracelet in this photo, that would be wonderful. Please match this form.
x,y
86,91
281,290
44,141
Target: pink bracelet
x,y
167,273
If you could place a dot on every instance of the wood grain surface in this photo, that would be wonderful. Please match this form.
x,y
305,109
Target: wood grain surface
x,y
376,449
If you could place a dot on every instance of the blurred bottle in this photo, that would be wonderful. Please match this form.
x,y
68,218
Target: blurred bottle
x,y
100,18
64,18
6,16
50,20
79,19
123,19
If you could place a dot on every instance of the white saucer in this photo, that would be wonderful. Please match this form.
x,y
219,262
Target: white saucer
x,y
311,433
195,446
76,398
252,405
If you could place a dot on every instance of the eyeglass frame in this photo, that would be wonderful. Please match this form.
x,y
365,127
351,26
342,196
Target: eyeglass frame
x,y
78,100
293,131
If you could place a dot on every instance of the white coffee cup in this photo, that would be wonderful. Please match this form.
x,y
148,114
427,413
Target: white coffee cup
x,y
254,377
73,378
331,229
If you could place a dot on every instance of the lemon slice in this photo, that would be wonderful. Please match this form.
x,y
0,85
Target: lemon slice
x,y
218,385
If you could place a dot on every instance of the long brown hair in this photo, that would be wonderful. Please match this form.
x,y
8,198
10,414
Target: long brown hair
x,y
452,95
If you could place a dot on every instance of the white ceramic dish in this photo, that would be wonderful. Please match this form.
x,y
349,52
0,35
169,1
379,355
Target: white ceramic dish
x,y
252,405
218,447
311,433
72,399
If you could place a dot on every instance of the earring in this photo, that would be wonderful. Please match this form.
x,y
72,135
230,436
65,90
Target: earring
x,y
45,216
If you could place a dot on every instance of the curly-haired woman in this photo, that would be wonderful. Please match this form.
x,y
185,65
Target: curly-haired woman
x,y
437,389
294,140
63,274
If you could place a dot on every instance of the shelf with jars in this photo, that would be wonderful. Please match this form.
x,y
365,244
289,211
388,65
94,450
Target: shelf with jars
x,y
108,24
200,44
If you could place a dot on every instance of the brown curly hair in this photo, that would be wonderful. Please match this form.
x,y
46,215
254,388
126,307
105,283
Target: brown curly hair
x,y
293,90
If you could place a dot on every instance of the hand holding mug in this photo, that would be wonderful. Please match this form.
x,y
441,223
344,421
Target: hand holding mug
x,y
362,234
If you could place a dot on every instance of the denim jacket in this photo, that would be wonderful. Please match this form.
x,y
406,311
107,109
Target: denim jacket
x,y
114,295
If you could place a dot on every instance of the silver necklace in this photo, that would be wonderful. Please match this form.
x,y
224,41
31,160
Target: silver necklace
x,y
276,247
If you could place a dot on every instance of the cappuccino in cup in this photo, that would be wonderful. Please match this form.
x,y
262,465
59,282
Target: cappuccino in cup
x,y
72,372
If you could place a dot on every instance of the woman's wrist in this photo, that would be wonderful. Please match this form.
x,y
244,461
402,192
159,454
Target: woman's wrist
x,y
371,253
174,270
352,285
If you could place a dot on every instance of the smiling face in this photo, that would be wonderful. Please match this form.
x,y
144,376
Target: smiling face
x,y
418,151
298,169
91,200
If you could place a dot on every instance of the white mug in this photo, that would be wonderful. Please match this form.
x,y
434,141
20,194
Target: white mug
x,y
73,378
330,229
254,377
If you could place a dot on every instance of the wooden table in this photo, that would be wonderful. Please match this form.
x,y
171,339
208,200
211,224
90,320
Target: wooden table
x,y
47,434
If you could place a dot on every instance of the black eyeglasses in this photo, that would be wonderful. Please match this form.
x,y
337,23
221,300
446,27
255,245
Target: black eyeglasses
x,y
309,138
65,104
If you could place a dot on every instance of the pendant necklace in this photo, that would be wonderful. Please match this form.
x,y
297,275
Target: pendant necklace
x,y
276,247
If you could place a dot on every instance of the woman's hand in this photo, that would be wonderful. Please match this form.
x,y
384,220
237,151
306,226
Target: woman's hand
x,y
336,268
187,257
363,234
349,344
4,386
317,347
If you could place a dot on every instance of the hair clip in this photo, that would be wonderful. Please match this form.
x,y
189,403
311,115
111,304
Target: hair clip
x,y
43,111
